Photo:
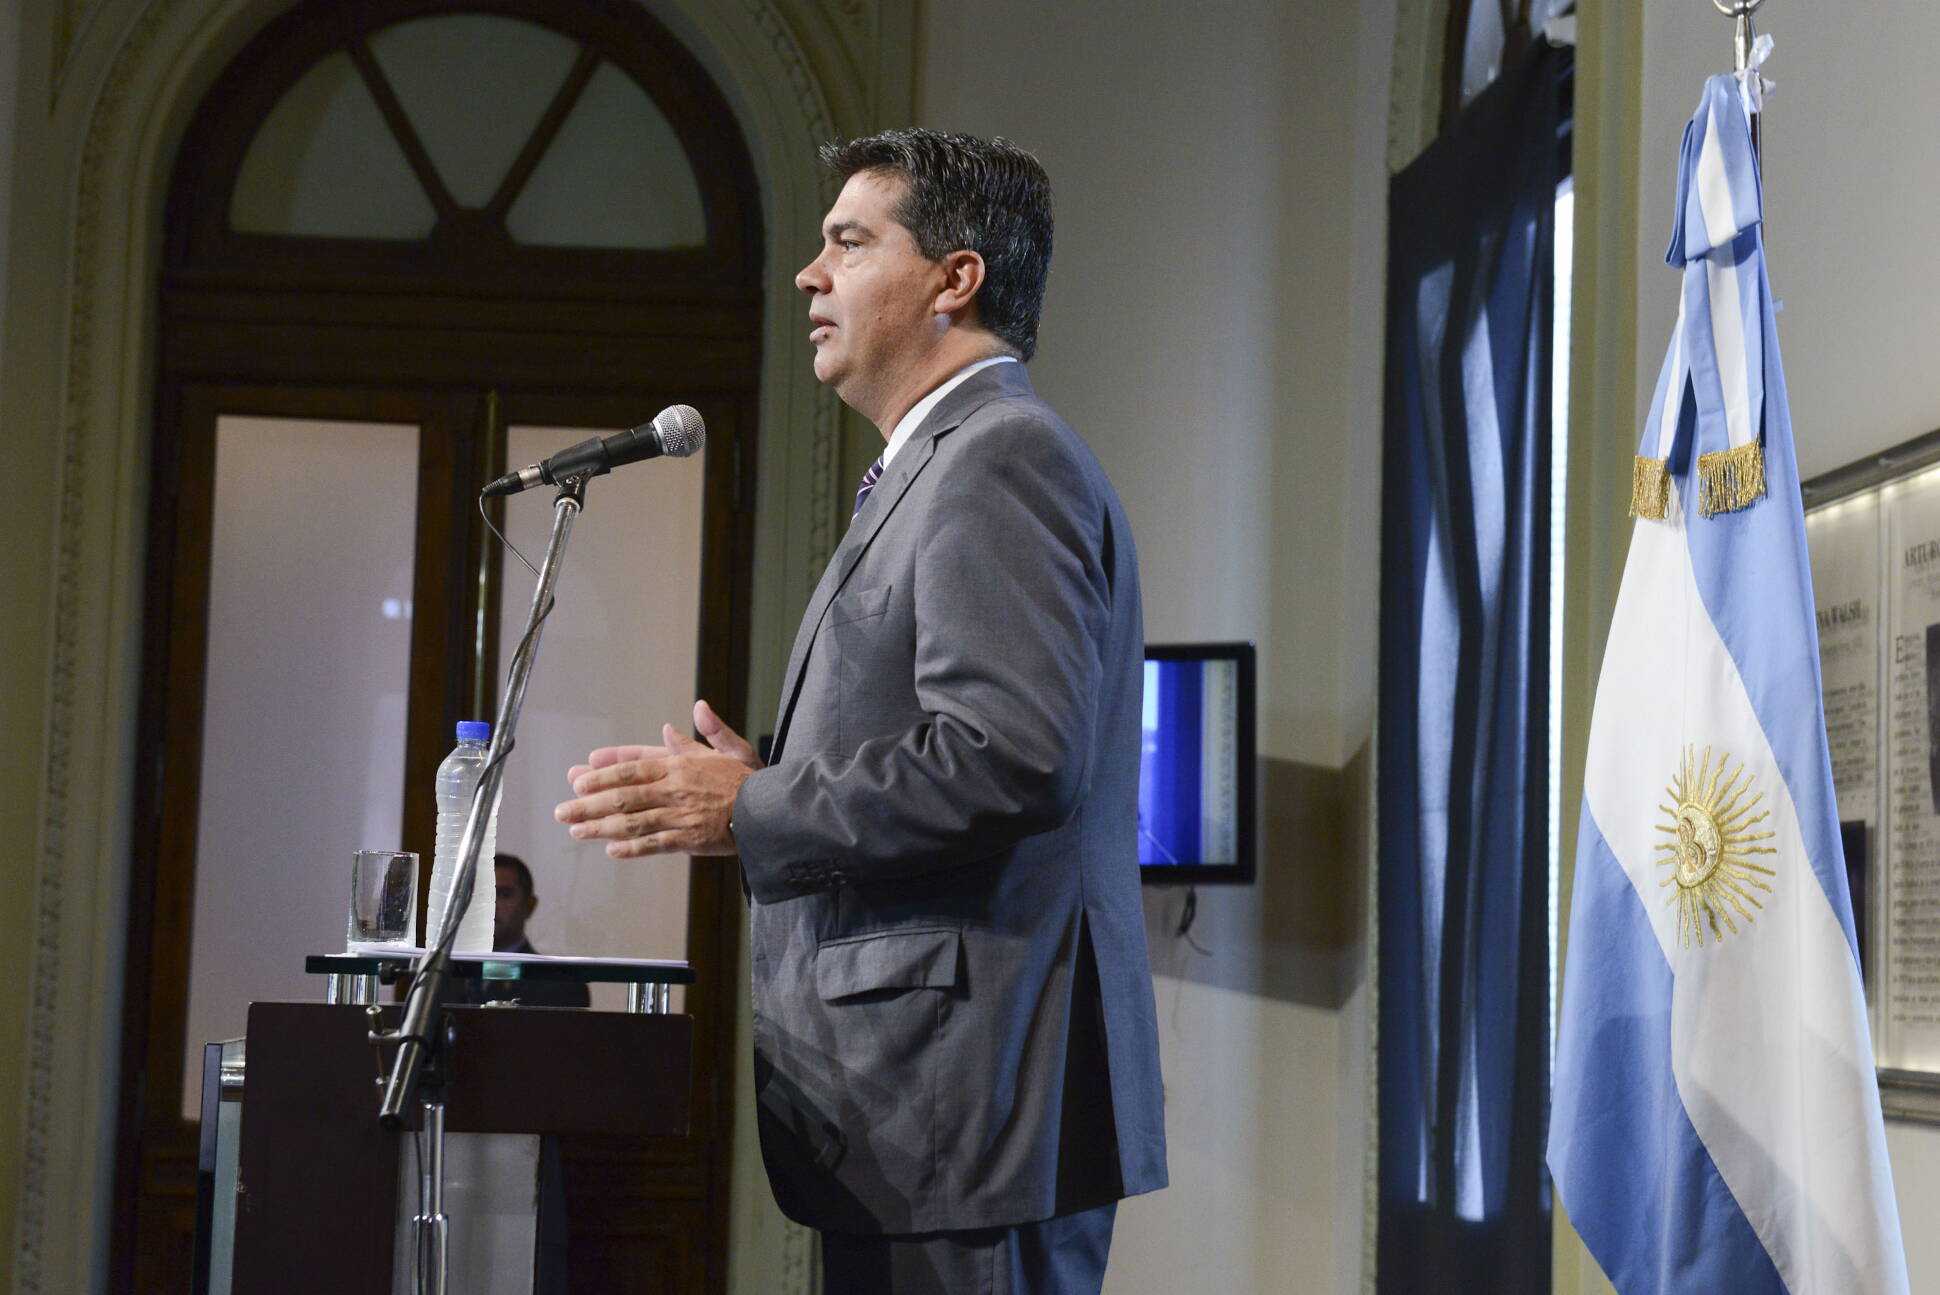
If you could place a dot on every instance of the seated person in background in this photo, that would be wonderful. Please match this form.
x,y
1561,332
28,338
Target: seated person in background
x,y
542,987
516,902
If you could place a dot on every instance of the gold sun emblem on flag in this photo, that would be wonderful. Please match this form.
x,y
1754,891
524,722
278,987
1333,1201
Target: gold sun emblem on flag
x,y
1710,826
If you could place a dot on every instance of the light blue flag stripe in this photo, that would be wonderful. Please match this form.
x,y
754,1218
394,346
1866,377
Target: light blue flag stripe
x,y
1620,1137
1774,640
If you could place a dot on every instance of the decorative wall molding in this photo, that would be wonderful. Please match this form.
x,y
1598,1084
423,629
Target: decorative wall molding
x,y
800,1260
825,525
70,18
82,718
824,411
781,40
832,37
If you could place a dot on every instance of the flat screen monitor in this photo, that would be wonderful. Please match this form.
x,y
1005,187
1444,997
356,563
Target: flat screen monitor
x,y
1196,764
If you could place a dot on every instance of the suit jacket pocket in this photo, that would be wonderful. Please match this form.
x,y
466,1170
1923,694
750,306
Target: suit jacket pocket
x,y
860,605
925,958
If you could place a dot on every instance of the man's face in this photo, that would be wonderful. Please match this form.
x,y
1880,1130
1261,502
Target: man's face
x,y
872,294
509,914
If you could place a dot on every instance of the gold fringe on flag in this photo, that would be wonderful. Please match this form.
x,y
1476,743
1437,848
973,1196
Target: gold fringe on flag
x,y
1731,479
1650,489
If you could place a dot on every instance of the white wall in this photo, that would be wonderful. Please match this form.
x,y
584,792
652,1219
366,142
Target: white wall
x,y
1213,329
1850,192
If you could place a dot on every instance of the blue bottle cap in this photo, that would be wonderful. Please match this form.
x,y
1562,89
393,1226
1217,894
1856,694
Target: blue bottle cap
x,y
474,730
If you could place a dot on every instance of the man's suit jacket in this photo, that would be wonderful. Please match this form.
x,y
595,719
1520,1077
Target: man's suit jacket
x,y
954,1023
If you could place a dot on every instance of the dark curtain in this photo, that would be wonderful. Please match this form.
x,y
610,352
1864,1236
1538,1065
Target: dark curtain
x,y
1464,894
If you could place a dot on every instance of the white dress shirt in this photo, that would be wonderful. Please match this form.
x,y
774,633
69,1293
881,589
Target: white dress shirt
x,y
907,425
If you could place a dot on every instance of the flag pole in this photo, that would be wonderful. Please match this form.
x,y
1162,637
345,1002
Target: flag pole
x,y
1744,38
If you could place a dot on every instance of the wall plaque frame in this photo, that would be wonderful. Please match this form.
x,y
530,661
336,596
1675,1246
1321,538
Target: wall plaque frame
x,y
1873,531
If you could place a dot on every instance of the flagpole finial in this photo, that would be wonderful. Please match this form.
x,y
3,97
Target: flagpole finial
x,y
1746,35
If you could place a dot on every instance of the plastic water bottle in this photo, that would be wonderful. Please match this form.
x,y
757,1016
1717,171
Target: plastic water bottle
x,y
457,779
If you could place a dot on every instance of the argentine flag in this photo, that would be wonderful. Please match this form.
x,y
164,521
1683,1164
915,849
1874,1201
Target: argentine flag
x,y
1716,1123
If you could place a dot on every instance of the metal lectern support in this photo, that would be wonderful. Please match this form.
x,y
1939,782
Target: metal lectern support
x,y
430,1228
413,1035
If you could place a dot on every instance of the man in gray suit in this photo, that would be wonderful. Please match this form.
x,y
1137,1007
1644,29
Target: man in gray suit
x,y
956,1059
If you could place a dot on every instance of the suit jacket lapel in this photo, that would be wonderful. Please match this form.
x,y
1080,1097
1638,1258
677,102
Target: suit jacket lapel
x,y
910,460
977,390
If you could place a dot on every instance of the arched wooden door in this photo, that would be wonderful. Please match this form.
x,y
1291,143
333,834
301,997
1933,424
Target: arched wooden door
x,y
405,240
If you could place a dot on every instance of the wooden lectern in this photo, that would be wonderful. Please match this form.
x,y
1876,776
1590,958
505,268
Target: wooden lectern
x,y
316,1191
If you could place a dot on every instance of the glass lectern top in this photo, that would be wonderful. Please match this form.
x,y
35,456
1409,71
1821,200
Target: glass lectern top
x,y
372,961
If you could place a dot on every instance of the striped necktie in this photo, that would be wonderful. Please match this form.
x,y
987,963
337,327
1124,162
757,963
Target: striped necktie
x,y
869,479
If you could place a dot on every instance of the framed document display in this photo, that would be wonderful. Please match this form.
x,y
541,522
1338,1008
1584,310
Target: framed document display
x,y
1873,531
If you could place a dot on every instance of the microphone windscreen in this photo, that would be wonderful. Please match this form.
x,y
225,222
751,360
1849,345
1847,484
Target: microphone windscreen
x,y
680,429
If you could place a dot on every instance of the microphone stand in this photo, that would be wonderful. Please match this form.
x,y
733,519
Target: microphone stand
x,y
414,1038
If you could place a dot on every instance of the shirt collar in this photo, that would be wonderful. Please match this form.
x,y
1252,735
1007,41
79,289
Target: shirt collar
x,y
907,425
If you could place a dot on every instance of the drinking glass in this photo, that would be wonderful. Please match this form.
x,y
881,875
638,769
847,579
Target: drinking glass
x,y
383,897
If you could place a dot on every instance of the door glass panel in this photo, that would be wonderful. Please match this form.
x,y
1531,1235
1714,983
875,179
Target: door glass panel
x,y
324,164
309,610
616,661
615,177
474,87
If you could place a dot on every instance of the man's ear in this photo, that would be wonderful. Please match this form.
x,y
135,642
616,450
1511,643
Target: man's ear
x,y
963,273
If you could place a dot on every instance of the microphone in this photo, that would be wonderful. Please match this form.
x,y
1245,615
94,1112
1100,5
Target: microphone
x,y
675,432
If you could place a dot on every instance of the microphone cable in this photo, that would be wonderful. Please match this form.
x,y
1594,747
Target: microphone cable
x,y
448,929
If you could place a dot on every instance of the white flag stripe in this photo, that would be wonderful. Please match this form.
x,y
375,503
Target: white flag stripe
x,y
1714,188
1728,337
1732,301
1792,1140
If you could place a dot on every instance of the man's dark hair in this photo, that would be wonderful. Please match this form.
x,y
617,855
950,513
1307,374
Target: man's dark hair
x,y
517,865
984,195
